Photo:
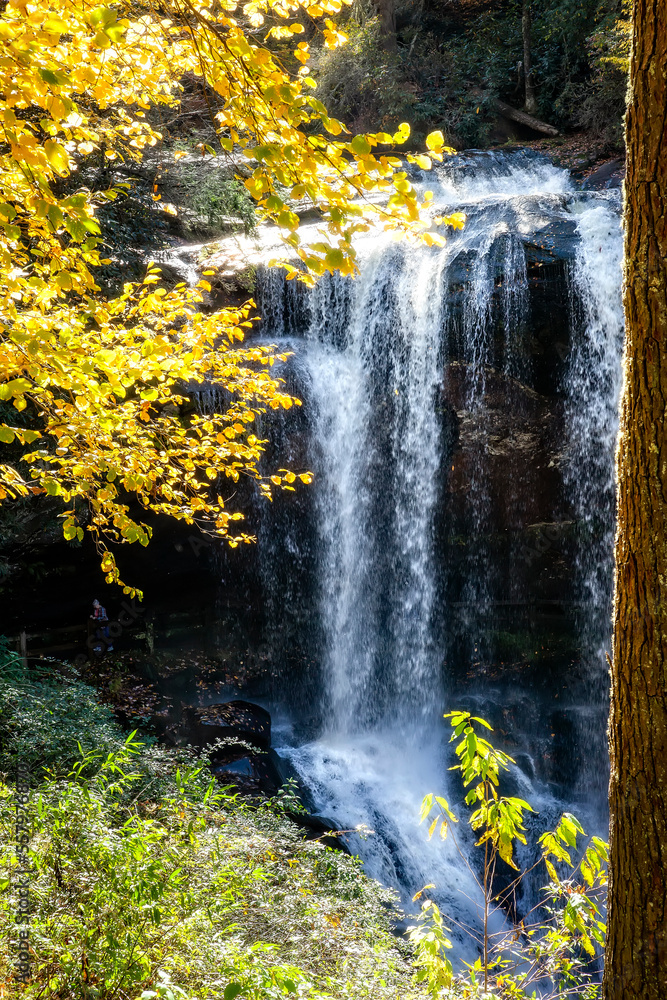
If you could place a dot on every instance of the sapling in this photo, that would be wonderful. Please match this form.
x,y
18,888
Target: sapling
x,y
555,952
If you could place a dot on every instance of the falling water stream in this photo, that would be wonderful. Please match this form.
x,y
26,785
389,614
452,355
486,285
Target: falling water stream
x,y
397,369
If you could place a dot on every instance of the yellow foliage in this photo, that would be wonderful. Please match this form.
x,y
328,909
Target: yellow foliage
x,y
107,378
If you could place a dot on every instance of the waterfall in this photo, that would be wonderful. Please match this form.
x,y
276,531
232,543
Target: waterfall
x,y
593,390
431,382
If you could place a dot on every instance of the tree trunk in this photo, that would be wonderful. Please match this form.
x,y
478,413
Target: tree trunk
x,y
636,959
520,116
530,101
387,13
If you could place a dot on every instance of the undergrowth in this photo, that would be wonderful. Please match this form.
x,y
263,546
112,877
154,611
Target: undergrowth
x,y
448,68
148,880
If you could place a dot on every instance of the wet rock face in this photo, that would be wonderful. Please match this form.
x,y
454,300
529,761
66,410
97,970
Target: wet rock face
x,y
508,447
506,538
610,175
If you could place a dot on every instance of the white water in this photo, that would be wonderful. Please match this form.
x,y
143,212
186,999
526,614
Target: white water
x,y
594,385
375,354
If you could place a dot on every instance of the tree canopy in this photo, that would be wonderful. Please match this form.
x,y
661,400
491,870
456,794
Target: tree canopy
x,y
104,379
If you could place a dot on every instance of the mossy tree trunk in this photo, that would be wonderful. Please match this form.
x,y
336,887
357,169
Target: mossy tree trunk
x,y
636,960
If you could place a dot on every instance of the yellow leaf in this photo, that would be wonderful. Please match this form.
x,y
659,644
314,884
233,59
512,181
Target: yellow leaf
x,y
57,157
435,141
106,372
422,161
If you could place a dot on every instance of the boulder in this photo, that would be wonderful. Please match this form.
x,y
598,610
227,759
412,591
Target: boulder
x,y
609,175
235,722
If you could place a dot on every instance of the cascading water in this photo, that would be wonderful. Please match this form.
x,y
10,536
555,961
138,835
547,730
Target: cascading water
x,y
418,376
593,384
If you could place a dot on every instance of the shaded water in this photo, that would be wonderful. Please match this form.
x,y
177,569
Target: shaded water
x,y
422,382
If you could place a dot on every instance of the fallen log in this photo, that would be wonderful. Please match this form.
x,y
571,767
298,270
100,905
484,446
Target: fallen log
x,y
520,116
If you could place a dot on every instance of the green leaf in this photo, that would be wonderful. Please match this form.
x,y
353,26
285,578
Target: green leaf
x,y
232,990
63,280
17,387
575,823
6,434
482,722
520,804
27,436
102,16
48,76
76,229
456,717
444,805
567,832
52,487
115,32
335,258
427,805
55,216
360,145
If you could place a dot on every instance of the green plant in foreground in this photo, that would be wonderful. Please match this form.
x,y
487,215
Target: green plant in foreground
x,y
150,882
552,955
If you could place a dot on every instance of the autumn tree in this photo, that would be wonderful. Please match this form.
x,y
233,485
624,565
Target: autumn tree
x,y
105,379
636,960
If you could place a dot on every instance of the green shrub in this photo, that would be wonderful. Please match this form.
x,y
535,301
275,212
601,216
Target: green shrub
x,y
192,890
427,84
214,201
148,881
45,715
603,103
450,65
554,950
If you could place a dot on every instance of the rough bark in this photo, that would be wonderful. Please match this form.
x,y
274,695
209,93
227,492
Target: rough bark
x,y
529,88
636,959
520,116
